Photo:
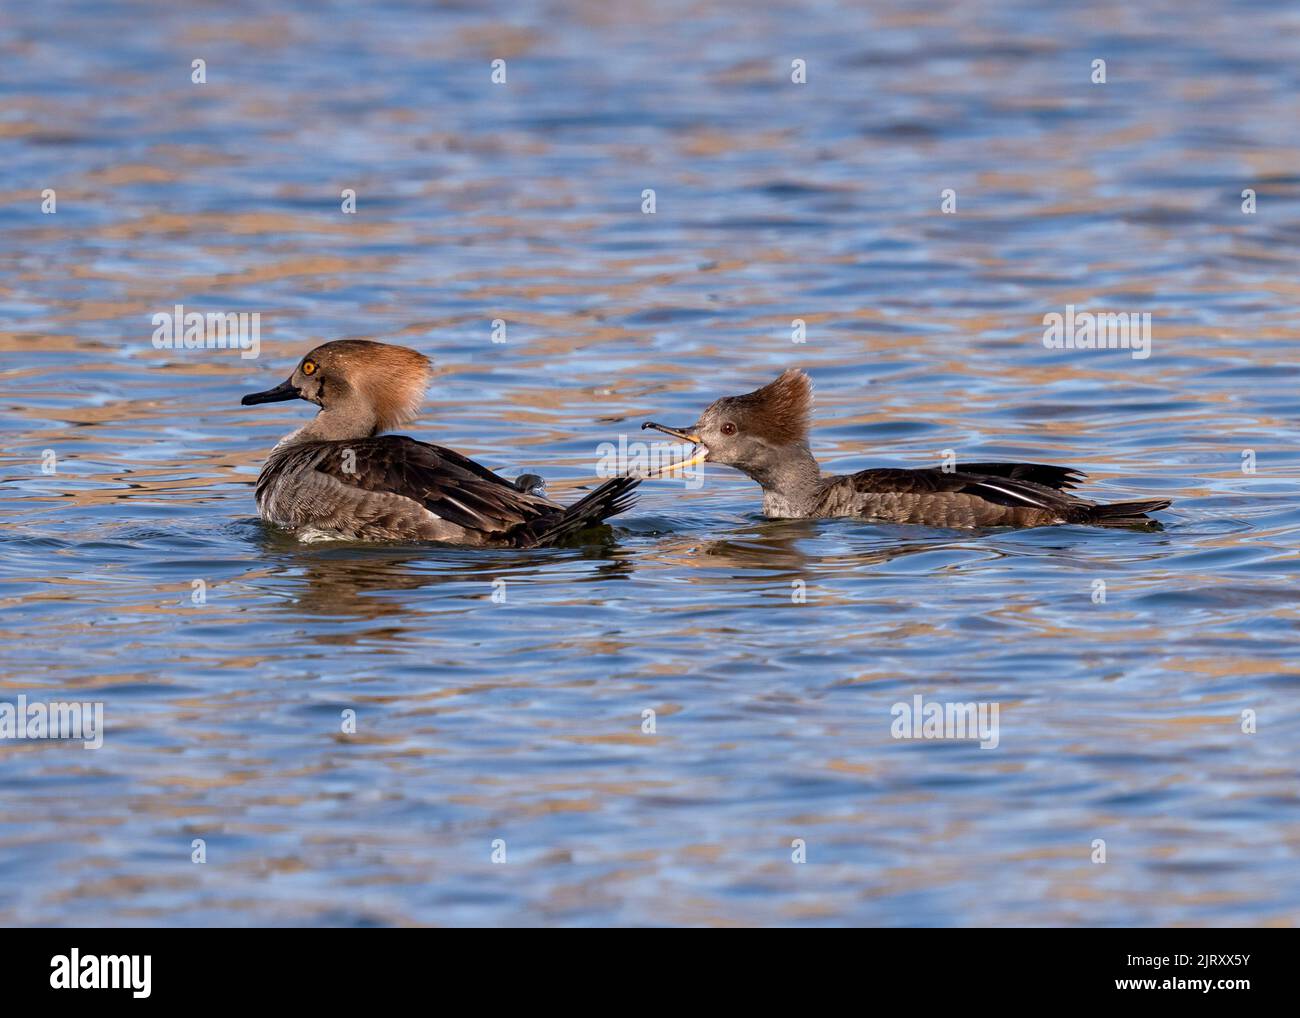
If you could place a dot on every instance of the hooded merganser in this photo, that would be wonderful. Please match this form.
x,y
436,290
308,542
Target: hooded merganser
x,y
339,478
765,434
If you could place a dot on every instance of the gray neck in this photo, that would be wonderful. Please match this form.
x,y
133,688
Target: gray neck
x,y
349,421
789,475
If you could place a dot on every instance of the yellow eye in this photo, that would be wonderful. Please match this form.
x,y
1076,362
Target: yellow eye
x,y
309,367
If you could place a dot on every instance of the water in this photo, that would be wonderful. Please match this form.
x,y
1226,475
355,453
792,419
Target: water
x,y
522,720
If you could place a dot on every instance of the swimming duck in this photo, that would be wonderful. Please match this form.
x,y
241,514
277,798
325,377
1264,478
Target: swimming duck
x,y
339,477
765,434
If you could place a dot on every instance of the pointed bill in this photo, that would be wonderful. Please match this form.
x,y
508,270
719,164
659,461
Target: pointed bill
x,y
697,456
686,435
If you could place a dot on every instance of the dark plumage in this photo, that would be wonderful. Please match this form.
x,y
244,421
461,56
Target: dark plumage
x,y
765,434
337,478
973,495
395,488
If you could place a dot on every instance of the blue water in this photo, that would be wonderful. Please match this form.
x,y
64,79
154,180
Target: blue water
x,y
520,721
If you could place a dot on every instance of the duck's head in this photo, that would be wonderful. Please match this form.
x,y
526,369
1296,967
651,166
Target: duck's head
x,y
752,431
379,385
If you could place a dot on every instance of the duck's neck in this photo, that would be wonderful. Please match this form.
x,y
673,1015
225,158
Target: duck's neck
x,y
790,478
347,423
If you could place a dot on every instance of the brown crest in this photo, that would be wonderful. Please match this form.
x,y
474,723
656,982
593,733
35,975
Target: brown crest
x,y
391,379
779,412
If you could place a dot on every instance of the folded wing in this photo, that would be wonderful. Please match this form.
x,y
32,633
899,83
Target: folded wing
x,y
392,483
988,495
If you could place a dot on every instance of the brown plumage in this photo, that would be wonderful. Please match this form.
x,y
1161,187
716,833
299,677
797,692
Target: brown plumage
x,y
765,435
781,410
392,379
339,478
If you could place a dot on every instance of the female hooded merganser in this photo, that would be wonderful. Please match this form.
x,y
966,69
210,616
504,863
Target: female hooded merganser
x,y
765,435
339,478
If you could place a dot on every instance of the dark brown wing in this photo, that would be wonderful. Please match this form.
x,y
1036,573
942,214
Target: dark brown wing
x,y
1000,490
999,494
446,483
1039,473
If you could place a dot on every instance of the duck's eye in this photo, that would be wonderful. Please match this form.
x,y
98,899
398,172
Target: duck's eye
x,y
728,428
309,367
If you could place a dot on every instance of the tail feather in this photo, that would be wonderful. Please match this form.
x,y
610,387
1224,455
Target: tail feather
x,y
613,497
1126,514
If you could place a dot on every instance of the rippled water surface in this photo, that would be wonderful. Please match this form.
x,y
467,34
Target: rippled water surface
x,y
521,720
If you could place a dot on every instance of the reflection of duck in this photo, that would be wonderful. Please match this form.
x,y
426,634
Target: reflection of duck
x,y
339,477
765,434
376,581
773,545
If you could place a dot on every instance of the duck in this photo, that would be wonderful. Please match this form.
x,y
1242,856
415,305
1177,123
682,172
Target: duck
x,y
764,434
340,477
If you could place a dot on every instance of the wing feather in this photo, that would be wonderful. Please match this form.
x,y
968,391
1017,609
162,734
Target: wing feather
x,y
1002,489
450,485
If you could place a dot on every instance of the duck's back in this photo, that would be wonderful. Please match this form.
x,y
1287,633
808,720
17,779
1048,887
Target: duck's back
x,y
974,495
390,488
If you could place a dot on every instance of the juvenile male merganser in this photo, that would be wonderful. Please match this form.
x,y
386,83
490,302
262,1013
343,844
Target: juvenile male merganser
x,y
765,434
339,478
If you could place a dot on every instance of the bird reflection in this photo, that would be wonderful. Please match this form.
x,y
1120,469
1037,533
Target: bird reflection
x,y
378,581
777,547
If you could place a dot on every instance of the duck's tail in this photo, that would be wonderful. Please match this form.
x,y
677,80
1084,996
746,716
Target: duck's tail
x,y
611,498
1126,514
